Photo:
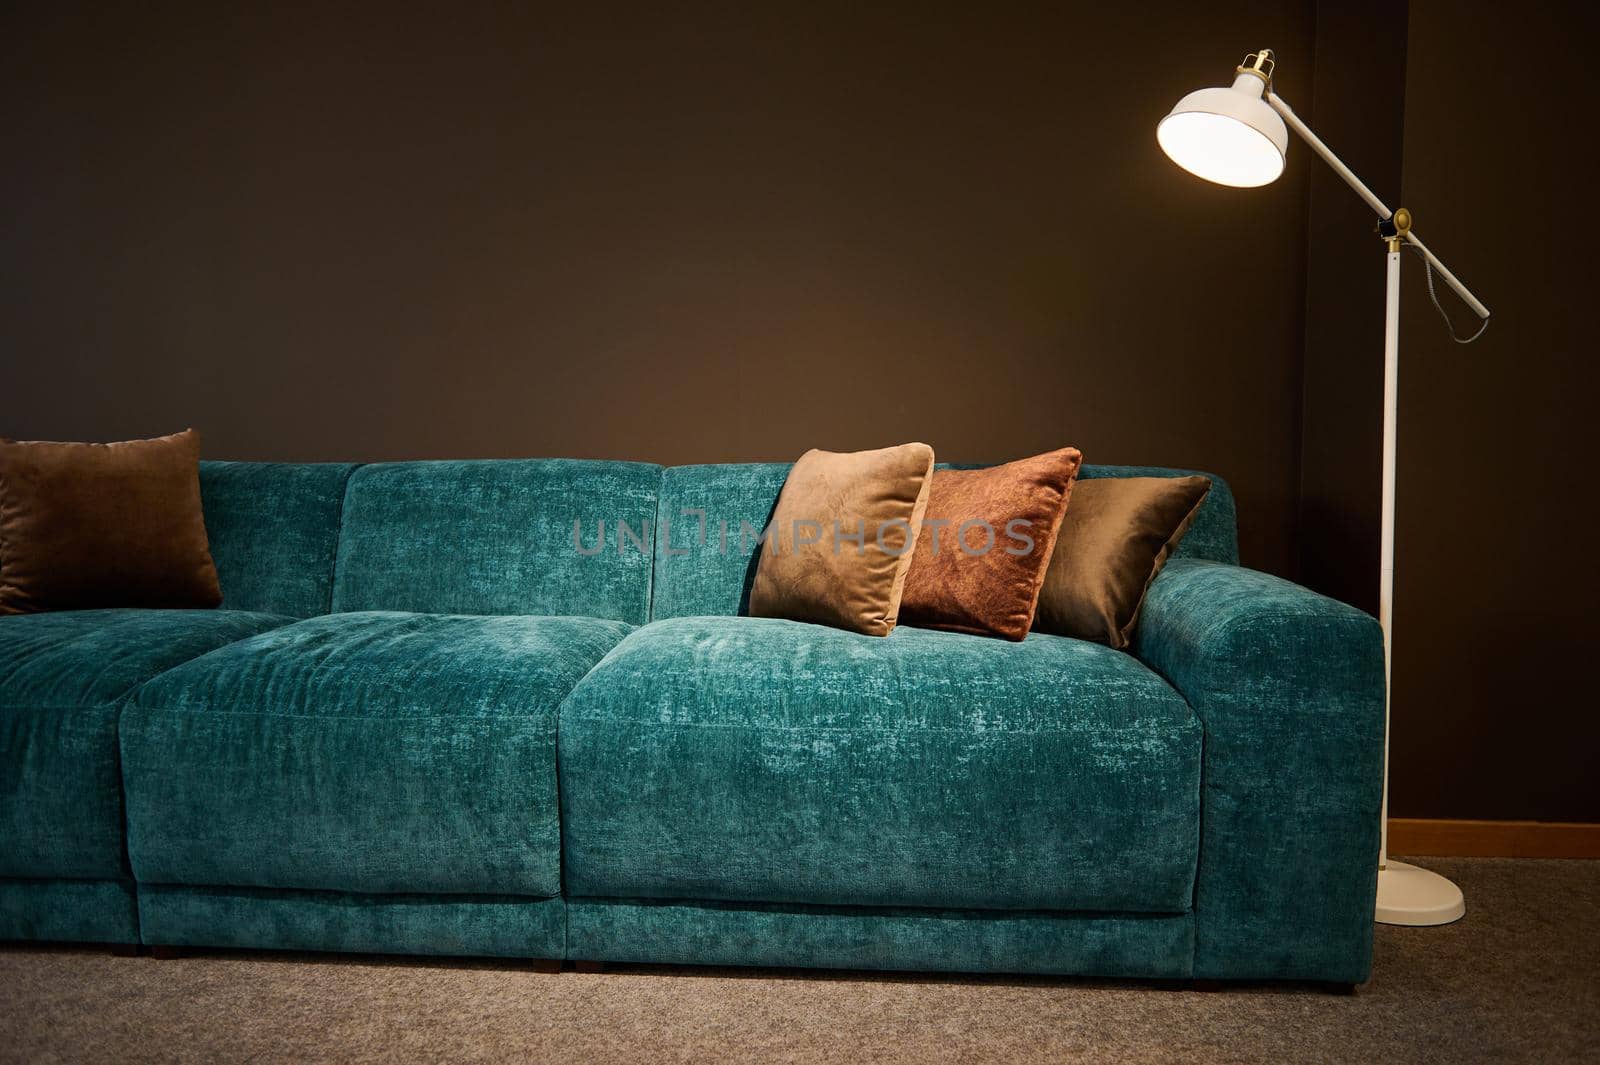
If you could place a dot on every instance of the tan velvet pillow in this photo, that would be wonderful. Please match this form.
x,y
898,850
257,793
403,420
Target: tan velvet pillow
x,y
1115,538
841,538
985,544
103,525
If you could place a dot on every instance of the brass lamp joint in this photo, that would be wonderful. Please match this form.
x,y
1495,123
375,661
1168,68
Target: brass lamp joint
x,y
1258,63
1393,229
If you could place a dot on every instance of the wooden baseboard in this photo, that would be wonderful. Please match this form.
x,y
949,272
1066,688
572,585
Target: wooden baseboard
x,y
1493,839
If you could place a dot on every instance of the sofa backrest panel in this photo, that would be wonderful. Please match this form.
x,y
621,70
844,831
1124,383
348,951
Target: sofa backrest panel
x,y
709,571
707,568
274,529
497,537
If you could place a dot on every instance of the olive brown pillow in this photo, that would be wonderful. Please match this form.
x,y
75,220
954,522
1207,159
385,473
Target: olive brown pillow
x,y
1115,538
985,544
103,525
841,538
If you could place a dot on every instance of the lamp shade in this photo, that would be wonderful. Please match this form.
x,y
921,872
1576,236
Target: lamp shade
x,y
1227,135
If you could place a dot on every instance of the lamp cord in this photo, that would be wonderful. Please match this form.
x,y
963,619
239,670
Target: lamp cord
x,y
1434,296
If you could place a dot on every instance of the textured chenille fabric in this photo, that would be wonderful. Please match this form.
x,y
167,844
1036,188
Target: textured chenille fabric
x,y
485,925
842,538
715,514
774,761
527,536
364,752
103,525
710,544
1289,685
725,790
274,528
69,911
63,679
1111,546
986,540
980,941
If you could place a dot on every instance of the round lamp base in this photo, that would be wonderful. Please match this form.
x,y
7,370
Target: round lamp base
x,y
1408,895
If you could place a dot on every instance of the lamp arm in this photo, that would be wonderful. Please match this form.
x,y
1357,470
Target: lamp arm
x,y
1293,121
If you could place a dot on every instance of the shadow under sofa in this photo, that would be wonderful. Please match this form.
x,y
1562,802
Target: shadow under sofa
x,y
444,710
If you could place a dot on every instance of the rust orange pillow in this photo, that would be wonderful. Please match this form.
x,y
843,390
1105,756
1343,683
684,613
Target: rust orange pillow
x,y
103,525
985,545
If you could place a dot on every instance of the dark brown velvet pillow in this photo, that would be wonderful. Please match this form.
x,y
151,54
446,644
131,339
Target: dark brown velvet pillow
x,y
841,538
985,544
103,525
1114,540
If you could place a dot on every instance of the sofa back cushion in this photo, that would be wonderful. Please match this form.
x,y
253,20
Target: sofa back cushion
x,y
498,537
274,528
706,549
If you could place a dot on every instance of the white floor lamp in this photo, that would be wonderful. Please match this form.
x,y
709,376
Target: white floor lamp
x,y
1234,136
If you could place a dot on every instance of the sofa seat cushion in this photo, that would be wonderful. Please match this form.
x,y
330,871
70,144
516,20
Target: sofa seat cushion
x,y
774,761
63,678
363,752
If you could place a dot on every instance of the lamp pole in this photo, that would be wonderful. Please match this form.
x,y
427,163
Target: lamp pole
x,y
1391,410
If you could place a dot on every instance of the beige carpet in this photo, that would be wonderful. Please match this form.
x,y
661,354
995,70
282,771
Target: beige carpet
x,y
1517,980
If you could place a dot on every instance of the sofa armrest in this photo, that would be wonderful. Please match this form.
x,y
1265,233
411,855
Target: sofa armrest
x,y
1288,685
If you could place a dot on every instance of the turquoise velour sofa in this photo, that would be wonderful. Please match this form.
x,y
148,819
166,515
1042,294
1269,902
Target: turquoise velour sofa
x,y
476,708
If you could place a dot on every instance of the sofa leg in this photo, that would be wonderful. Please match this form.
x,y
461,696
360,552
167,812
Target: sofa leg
x,y
166,953
1207,985
545,965
589,966
125,950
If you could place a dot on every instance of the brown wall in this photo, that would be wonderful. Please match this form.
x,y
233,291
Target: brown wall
x,y
1495,619
732,234
1496,584
1358,108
